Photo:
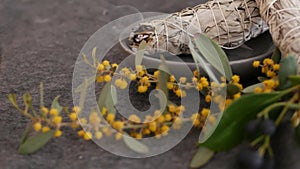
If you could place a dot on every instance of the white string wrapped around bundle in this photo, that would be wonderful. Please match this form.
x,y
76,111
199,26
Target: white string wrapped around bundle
x,y
229,22
283,18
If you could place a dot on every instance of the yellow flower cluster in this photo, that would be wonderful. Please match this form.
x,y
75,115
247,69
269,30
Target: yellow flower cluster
x,y
198,119
52,120
159,123
270,69
105,71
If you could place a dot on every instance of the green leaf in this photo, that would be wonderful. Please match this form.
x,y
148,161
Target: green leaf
x,y
85,59
230,130
25,134
163,100
106,98
163,78
250,89
32,144
135,145
27,99
114,95
232,89
85,84
140,53
41,94
94,56
261,78
55,105
276,56
13,99
294,79
288,67
200,61
202,157
214,55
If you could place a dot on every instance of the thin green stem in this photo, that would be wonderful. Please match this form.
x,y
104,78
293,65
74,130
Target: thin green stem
x,y
285,109
256,141
279,104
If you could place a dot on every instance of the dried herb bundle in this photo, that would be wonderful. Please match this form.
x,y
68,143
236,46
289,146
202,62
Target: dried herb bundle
x,y
283,19
229,22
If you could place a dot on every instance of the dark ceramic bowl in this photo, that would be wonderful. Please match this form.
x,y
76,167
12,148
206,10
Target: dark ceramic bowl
x,y
240,59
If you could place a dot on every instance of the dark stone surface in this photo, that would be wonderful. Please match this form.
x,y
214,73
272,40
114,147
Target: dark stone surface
x,y
39,42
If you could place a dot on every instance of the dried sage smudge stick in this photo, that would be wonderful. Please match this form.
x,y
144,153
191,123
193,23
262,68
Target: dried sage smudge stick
x,y
283,18
229,22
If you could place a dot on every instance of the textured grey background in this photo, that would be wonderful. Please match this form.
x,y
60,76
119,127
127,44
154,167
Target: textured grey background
x,y
40,41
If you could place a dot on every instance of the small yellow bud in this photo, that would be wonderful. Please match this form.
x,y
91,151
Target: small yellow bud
x,y
107,78
100,67
44,110
208,98
194,117
172,78
276,67
76,109
152,126
98,135
110,118
138,136
83,121
170,85
142,89
87,135
104,111
256,64
57,119
139,68
205,112
196,73
105,63
172,108
236,96
161,119
53,112
118,82
118,125
212,119
73,116
100,79
80,133
57,133
123,85
182,79
37,126
156,74
132,76
268,61
146,131
258,90
180,109
177,123
134,118
235,78
114,65
144,79
106,131
199,86
45,129
168,117
228,102
165,129
118,136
